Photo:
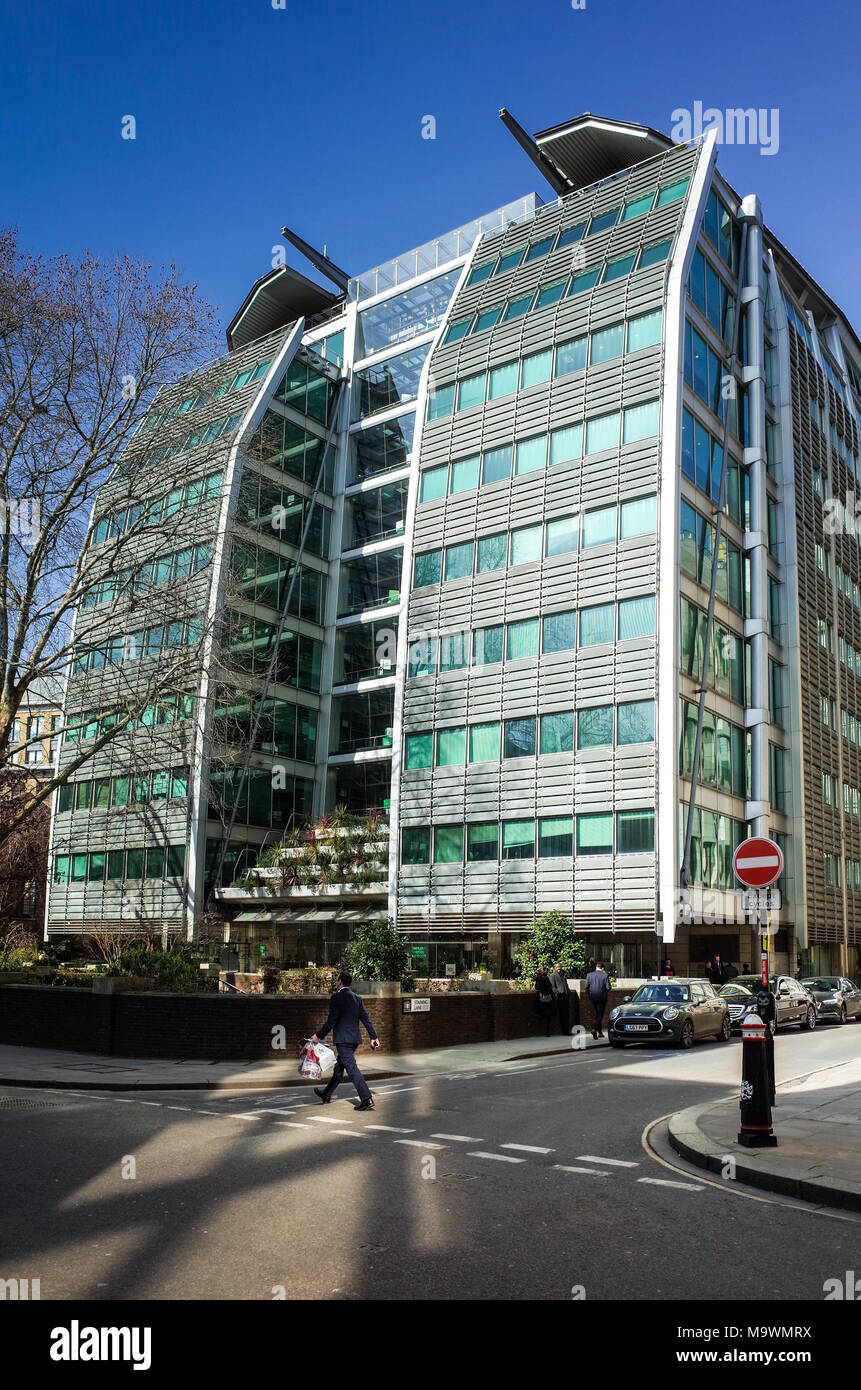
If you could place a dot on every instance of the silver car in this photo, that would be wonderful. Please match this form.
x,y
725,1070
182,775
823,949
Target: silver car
x,y
837,999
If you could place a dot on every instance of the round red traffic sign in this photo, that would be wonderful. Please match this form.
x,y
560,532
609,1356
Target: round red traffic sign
x,y
758,862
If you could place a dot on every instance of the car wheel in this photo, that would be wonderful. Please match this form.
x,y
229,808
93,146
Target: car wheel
x,y
686,1037
614,1043
725,1029
809,1021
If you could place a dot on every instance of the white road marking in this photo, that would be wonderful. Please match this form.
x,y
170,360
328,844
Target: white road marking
x,y
121,1100
210,1112
420,1144
398,1090
596,1172
391,1129
528,1148
666,1182
177,1107
243,1115
291,1124
614,1162
517,1071
264,1110
500,1158
156,1103
327,1120
353,1133
459,1138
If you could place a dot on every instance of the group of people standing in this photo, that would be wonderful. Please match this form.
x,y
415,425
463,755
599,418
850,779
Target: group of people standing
x,y
553,993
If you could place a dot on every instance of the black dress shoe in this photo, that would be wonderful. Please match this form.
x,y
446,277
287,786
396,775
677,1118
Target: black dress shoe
x,y
366,1105
327,1100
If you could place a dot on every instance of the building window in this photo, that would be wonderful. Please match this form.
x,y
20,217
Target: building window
x,y
448,844
556,837
484,743
518,839
434,484
428,569
491,553
599,527
522,639
595,834
636,722
458,561
637,617
482,841
560,632
557,732
451,747
635,832
415,844
519,738
561,536
419,752
525,545
596,624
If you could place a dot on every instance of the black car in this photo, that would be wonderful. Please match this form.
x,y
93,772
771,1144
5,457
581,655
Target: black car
x,y
837,999
793,1003
672,1011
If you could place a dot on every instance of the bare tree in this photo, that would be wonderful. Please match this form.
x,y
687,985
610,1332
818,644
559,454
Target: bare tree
x,y
84,346
24,853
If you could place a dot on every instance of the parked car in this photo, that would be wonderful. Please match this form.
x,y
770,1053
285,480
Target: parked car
x,y
794,1004
672,1011
837,999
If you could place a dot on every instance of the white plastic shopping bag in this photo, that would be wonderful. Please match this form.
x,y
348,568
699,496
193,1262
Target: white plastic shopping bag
x,y
317,1061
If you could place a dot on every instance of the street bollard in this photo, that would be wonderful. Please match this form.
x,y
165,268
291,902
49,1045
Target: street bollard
x,y
755,1099
766,1007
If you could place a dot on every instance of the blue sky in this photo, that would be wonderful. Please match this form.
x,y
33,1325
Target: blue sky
x,y
250,117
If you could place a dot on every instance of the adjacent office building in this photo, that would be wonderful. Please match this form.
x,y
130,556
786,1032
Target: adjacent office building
x,y
538,540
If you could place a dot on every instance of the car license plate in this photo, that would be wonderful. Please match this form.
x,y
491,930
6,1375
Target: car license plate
x,y
636,1027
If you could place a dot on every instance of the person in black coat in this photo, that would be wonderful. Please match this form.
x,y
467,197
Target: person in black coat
x,y
562,996
544,993
346,1012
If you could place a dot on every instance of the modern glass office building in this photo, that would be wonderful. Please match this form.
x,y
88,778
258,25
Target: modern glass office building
x,y
477,529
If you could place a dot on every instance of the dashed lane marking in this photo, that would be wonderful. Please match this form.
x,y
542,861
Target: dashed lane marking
x,y
499,1158
327,1120
666,1182
612,1162
351,1133
459,1138
398,1091
420,1144
291,1124
391,1129
528,1148
567,1168
177,1107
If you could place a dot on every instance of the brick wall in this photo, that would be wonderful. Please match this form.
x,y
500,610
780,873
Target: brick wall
x,y
220,1027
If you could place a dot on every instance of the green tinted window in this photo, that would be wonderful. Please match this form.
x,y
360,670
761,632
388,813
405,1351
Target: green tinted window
x,y
596,624
607,343
441,402
635,832
571,357
525,545
519,738
556,837
550,294
536,368
522,639
434,483
644,331
448,844
516,308
638,518
531,454
561,535
487,646
428,569
641,421
484,743
637,617
155,860
671,193
560,632
636,722
503,381
637,208
557,732
599,527
116,858
616,270
451,747
415,845
482,841
464,474
97,868
602,433
134,863
518,839
595,834
595,727
585,281
654,255
419,751
487,319
61,868
508,262
491,553
458,561
471,391
566,444
496,465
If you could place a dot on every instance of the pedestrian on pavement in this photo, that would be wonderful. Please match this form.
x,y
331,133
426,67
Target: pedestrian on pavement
x,y
562,995
462,967
598,990
669,969
717,976
708,968
346,1012
544,992
745,969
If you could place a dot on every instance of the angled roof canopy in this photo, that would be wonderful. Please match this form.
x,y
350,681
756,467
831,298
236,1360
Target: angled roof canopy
x,y
278,298
590,148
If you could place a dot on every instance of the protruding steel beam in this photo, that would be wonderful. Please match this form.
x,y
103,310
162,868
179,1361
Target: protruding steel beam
x,y
328,268
541,162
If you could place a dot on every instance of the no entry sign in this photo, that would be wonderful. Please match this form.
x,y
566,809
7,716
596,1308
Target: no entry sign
x,y
758,862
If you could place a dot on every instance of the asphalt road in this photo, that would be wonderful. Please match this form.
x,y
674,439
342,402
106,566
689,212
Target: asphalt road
x,y
534,1181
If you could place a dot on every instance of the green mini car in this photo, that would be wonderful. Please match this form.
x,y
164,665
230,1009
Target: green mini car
x,y
671,1011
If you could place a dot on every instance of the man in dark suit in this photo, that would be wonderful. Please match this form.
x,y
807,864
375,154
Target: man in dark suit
x,y
346,1012
562,995
598,990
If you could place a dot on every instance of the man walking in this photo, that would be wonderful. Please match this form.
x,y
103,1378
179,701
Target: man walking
x,y
562,995
598,990
346,1012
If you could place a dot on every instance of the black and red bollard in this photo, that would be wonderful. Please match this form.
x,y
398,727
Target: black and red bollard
x,y
755,1099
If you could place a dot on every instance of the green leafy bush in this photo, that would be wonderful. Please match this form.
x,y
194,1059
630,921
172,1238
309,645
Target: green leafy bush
x,y
174,970
377,952
552,940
